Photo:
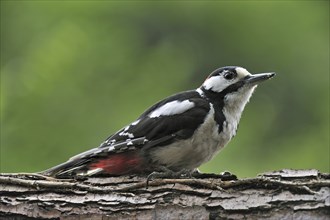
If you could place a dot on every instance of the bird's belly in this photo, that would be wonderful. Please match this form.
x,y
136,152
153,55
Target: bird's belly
x,y
185,155
194,151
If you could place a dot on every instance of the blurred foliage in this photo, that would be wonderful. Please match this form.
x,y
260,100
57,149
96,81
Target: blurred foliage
x,y
73,72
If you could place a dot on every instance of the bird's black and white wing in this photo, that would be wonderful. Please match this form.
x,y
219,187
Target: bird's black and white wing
x,y
172,119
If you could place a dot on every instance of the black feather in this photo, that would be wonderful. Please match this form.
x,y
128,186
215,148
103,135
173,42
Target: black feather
x,y
180,126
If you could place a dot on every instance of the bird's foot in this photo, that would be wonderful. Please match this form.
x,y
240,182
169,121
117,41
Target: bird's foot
x,y
225,176
164,172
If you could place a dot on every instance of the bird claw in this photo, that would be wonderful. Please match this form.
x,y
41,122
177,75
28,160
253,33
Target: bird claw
x,y
170,174
224,176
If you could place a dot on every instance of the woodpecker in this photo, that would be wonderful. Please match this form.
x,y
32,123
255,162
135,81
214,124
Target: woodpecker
x,y
178,133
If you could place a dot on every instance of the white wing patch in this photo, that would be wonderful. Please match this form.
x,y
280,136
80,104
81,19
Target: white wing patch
x,y
128,134
172,108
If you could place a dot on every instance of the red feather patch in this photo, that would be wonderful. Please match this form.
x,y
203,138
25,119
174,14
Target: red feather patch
x,y
120,164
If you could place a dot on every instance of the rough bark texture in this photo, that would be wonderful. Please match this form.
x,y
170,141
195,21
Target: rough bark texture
x,y
285,194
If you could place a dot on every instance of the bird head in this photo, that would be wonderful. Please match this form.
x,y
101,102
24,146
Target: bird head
x,y
232,79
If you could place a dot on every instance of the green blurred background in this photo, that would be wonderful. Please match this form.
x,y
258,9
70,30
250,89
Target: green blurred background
x,y
73,72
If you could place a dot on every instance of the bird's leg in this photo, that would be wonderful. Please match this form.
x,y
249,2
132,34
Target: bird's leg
x,y
164,172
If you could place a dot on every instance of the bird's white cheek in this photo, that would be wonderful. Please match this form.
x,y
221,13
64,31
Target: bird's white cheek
x,y
216,84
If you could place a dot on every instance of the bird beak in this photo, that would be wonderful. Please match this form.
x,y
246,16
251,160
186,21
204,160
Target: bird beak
x,y
257,78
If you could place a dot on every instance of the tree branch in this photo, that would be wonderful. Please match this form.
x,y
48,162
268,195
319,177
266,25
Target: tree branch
x,y
285,194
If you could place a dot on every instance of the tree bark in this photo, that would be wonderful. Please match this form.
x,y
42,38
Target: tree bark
x,y
285,194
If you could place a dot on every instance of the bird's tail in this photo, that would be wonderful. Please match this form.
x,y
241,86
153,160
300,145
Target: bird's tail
x,y
76,165
116,159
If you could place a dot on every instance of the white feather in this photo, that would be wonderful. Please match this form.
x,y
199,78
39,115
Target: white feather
x,y
172,108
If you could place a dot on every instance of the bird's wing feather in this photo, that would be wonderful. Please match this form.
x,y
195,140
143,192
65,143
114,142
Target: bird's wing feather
x,y
174,118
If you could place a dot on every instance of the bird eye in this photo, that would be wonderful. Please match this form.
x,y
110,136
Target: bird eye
x,y
229,75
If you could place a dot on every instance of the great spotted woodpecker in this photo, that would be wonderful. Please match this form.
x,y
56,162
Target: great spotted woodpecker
x,y
178,133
